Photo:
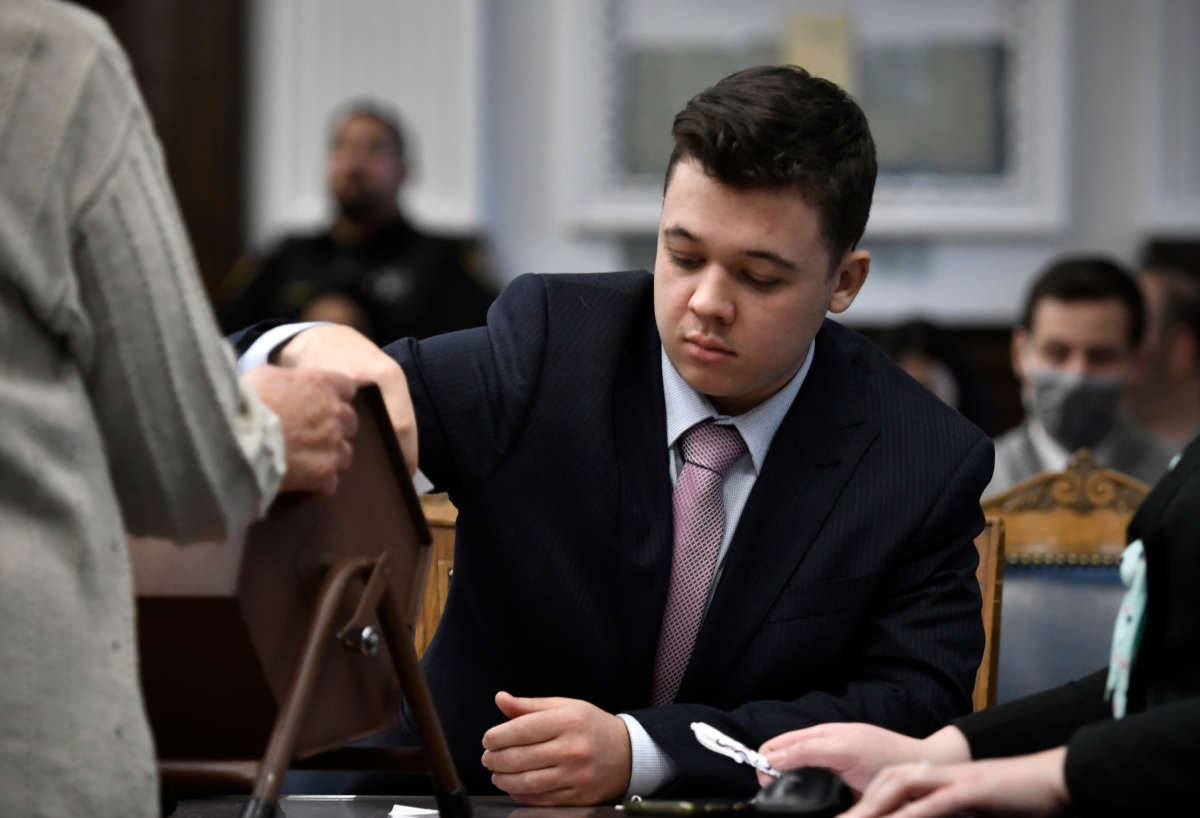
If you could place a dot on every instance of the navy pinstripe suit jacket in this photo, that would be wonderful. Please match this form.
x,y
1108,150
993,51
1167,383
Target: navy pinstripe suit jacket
x,y
848,592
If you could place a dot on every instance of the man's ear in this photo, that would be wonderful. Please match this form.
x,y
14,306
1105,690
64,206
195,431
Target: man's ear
x,y
848,279
1019,338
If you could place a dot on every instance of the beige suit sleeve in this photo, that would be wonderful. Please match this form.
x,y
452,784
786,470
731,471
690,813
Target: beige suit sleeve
x,y
194,454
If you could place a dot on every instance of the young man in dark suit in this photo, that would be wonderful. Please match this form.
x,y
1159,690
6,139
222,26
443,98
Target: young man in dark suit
x,y
601,602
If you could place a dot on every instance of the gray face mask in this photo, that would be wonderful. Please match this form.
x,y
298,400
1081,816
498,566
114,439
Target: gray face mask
x,y
1077,410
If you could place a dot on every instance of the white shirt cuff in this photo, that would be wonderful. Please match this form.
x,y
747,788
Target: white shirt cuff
x,y
260,351
650,768
421,483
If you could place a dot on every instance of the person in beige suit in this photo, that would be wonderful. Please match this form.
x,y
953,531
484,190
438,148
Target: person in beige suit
x,y
121,411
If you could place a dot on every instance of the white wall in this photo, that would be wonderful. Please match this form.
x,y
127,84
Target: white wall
x,y
1109,89
310,56
519,116
1112,79
1131,64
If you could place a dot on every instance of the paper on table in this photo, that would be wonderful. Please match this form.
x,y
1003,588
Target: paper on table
x,y
401,811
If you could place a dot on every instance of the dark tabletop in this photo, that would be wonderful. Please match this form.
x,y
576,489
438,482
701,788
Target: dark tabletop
x,y
378,806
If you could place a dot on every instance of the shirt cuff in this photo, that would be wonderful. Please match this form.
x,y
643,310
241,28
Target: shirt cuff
x,y
650,768
260,351
263,348
421,483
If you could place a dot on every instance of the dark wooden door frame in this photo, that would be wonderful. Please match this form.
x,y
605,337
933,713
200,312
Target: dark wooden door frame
x,y
189,59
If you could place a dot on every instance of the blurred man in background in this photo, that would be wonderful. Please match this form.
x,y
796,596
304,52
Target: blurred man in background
x,y
372,269
1073,353
1165,393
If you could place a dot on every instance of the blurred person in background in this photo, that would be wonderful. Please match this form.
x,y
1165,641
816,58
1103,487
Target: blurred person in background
x,y
122,412
372,269
1073,353
1164,393
930,354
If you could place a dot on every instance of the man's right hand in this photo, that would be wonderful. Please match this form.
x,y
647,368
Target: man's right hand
x,y
345,350
314,408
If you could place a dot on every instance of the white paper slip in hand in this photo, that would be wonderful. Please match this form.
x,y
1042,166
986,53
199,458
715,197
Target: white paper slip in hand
x,y
713,739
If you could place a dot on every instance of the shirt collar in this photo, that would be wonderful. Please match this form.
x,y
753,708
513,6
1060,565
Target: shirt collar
x,y
1050,452
686,407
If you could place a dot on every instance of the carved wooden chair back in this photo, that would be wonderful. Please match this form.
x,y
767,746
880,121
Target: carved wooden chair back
x,y
1064,534
1074,517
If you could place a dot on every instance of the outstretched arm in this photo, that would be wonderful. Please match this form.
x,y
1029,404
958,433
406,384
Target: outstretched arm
x,y
350,353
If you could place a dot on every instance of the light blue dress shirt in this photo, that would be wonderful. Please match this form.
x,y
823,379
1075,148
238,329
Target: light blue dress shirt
x,y
651,768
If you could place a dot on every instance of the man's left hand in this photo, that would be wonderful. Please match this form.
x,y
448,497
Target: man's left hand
x,y
557,751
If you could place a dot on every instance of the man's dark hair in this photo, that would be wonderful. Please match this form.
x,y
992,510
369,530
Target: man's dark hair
x,y
1088,278
779,127
381,112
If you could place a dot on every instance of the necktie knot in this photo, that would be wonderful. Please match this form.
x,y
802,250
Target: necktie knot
x,y
712,447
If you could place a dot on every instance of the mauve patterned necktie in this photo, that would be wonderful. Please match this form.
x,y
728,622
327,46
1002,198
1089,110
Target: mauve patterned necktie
x,y
708,452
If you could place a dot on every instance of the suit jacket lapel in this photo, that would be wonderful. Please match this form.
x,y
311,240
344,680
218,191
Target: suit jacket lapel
x,y
645,525
814,452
